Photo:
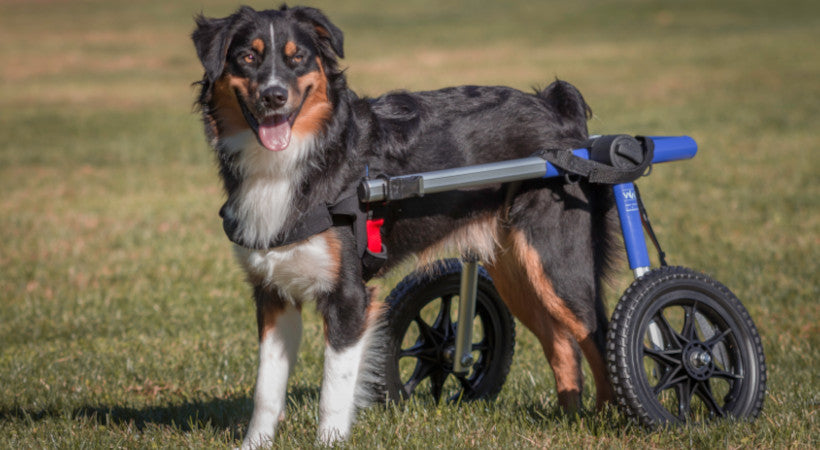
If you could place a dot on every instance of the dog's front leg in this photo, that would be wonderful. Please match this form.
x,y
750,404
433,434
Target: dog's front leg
x,y
280,331
347,340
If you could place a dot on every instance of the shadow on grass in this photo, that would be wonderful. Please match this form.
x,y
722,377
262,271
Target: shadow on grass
x,y
230,414
593,421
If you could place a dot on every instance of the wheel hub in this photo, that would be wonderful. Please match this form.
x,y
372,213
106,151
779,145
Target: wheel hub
x,y
698,361
447,355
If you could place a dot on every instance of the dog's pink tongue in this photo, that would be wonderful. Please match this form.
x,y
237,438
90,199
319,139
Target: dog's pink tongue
x,y
275,134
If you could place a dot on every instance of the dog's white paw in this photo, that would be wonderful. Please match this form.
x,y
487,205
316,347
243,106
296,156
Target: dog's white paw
x,y
331,435
261,430
256,440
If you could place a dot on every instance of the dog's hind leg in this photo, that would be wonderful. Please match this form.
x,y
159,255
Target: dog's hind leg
x,y
520,294
548,249
280,331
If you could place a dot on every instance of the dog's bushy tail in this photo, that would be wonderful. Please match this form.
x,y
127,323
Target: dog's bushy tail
x,y
569,107
370,387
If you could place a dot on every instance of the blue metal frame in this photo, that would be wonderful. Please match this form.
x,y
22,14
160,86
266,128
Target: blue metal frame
x,y
667,148
632,228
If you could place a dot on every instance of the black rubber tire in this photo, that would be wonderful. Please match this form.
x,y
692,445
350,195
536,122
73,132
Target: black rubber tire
x,y
682,348
423,301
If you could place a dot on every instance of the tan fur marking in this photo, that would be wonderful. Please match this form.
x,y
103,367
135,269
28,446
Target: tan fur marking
x,y
267,313
316,110
599,372
227,113
322,32
560,311
258,45
334,251
513,283
479,237
519,277
290,49
531,262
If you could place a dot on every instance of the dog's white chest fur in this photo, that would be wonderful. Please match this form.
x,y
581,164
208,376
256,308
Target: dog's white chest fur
x,y
265,198
298,271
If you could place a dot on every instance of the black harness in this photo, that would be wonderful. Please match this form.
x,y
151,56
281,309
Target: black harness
x,y
347,210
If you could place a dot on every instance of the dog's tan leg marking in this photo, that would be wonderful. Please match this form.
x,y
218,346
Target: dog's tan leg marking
x,y
280,330
520,279
519,293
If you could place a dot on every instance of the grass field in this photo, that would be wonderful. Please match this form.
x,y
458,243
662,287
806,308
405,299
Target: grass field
x,y
124,321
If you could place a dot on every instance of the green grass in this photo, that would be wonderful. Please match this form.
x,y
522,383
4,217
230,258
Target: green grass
x,y
124,321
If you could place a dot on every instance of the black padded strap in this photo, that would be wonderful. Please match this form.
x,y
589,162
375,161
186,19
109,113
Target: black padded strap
x,y
613,159
313,222
349,206
347,209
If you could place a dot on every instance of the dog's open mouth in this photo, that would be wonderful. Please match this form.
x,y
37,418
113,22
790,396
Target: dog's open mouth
x,y
273,131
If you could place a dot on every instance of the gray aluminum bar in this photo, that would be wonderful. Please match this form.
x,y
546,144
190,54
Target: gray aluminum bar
x,y
379,189
463,358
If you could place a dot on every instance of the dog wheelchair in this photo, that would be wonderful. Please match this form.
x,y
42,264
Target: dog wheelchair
x,y
680,346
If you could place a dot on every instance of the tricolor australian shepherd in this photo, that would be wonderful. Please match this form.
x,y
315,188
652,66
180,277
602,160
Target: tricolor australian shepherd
x,y
291,138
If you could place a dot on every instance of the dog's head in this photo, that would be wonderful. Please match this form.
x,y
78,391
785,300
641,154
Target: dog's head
x,y
268,71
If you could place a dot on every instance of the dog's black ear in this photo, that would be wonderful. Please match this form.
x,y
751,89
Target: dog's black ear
x,y
212,38
328,33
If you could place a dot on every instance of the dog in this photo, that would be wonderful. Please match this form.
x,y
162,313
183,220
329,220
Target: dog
x,y
291,138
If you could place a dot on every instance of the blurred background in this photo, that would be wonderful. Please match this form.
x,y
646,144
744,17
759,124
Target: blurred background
x,y
125,322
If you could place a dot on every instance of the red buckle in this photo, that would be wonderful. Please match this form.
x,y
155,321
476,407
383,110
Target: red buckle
x,y
374,235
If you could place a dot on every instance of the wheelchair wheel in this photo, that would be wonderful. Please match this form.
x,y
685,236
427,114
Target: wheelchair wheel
x,y
422,337
681,348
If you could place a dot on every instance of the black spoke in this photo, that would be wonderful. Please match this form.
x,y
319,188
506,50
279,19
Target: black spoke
x,y
689,331
437,380
466,386
726,375
427,332
684,391
717,338
666,358
481,346
421,371
671,378
664,325
421,350
704,391
444,322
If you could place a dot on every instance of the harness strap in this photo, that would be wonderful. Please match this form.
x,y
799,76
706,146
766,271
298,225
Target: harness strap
x,y
613,159
365,230
648,227
319,219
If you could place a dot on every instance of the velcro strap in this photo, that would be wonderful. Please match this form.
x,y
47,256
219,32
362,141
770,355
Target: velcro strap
x,y
616,159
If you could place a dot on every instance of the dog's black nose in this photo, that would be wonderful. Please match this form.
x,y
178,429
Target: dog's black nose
x,y
274,97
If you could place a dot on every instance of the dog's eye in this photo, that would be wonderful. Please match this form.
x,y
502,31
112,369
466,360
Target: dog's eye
x,y
250,58
297,58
